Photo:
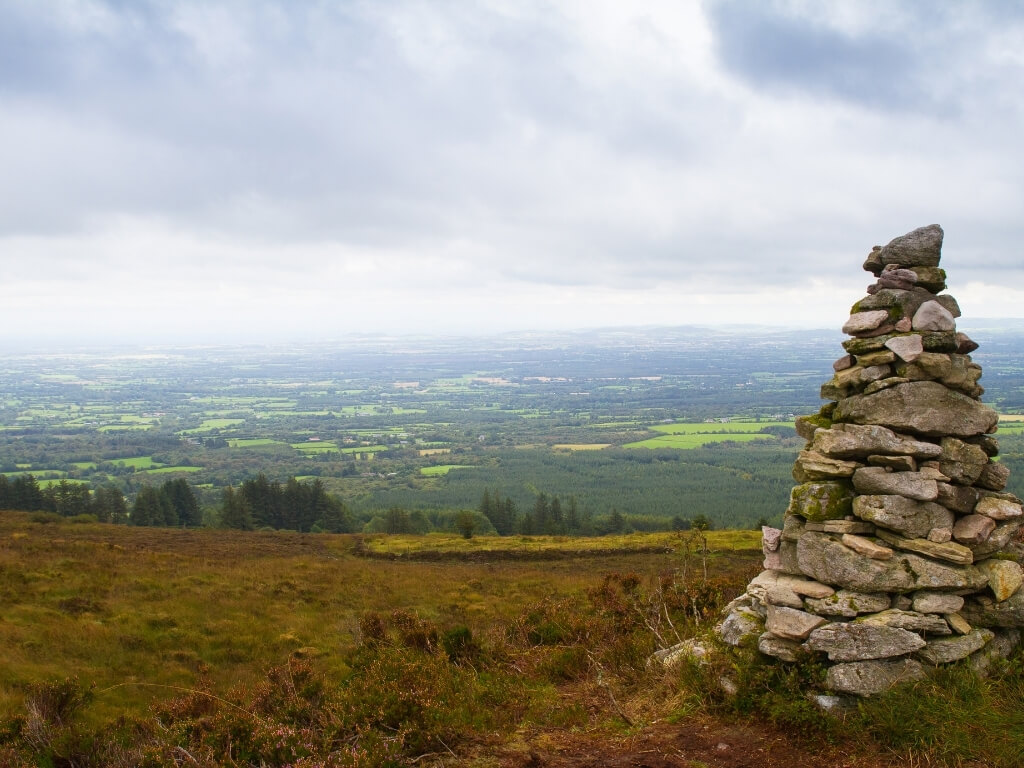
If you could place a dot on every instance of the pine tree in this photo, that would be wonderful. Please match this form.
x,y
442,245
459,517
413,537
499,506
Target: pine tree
x,y
572,517
109,505
541,514
234,511
150,507
465,523
616,523
184,502
556,524
396,520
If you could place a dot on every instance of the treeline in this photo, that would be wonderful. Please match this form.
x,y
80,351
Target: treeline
x,y
549,517
257,503
107,504
296,506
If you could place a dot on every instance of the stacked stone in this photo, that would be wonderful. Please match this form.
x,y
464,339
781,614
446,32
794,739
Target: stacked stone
x,y
896,554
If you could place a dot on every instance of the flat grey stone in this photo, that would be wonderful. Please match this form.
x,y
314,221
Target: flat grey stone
x,y
770,538
951,552
994,476
857,527
811,465
911,621
877,481
848,603
937,602
957,623
867,678
945,650
998,540
901,602
792,527
688,650
865,321
831,562
856,441
1001,646
961,462
940,535
858,641
895,463
819,501
901,514
924,407
791,624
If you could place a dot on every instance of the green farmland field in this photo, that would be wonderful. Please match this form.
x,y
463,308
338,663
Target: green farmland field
x,y
688,435
137,462
252,442
315,447
704,428
686,442
440,469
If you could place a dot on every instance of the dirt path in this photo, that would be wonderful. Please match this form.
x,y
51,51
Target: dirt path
x,y
701,743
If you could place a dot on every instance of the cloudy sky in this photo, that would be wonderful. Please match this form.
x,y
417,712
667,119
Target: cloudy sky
x,y
270,170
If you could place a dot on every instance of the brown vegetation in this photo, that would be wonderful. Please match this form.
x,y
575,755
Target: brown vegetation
x,y
123,646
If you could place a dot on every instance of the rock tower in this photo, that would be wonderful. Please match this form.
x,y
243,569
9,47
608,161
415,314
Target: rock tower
x,y
895,555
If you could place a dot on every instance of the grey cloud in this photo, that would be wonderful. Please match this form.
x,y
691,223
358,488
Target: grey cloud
x,y
767,46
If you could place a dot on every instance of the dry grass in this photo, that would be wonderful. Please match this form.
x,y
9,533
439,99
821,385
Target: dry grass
x,y
132,609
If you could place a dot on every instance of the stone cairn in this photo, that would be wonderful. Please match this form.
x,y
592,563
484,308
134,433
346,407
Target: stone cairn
x,y
897,551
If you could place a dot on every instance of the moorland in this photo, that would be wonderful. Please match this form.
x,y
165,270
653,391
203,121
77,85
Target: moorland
x,y
194,644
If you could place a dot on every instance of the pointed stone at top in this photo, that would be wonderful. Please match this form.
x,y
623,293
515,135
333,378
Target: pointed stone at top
x,y
920,248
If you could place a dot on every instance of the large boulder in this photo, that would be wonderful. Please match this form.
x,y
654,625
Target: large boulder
x,y
924,407
920,248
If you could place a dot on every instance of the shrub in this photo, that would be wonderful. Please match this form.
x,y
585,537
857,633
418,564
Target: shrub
x,y
46,518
